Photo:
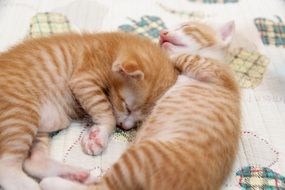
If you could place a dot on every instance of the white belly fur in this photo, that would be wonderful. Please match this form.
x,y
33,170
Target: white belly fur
x,y
52,118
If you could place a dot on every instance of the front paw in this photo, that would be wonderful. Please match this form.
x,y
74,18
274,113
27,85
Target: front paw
x,y
95,140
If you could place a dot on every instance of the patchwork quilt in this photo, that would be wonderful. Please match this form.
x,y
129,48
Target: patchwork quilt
x,y
257,58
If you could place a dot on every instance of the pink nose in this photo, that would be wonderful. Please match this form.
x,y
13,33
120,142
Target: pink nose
x,y
163,32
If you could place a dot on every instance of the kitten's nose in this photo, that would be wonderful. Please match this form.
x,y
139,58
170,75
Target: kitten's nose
x,y
163,32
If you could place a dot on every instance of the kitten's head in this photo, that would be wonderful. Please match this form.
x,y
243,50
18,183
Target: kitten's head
x,y
142,73
197,38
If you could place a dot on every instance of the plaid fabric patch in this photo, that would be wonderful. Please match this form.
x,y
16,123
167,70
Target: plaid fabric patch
x,y
148,26
258,178
272,33
125,136
44,24
215,1
249,67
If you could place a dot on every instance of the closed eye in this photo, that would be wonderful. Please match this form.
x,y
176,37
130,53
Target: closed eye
x,y
127,108
183,26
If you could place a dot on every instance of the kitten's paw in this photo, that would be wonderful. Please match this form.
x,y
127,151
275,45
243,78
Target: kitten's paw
x,y
81,176
91,180
95,140
40,166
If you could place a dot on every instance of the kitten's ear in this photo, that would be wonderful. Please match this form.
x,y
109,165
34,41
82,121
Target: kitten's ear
x,y
227,31
129,69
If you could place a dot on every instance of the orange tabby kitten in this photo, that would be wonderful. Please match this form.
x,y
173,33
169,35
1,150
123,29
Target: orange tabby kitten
x,y
190,139
115,77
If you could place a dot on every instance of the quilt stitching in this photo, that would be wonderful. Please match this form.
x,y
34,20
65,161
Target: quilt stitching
x,y
274,151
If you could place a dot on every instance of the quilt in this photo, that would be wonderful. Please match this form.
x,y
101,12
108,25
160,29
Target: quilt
x,y
257,58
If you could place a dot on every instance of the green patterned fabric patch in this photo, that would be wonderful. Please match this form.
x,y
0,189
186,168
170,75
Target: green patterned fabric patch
x,y
215,1
44,24
271,32
181,13
148,26
249,67
260,178
125,136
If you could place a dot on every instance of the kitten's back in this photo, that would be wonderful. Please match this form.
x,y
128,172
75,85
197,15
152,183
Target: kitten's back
x,y
188,142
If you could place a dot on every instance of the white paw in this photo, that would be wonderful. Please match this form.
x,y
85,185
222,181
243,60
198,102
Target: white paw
x,y
57,183
91,180
75,175
95,140
40,166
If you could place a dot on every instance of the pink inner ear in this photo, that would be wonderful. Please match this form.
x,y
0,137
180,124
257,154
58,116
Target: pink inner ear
x,y
227,30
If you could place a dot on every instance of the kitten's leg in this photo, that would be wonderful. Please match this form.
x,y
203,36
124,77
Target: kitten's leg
x,y
205,70
17,130
195,67
96,104
39,164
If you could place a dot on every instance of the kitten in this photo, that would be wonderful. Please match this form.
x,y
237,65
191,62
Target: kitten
x,y
190,139
45,82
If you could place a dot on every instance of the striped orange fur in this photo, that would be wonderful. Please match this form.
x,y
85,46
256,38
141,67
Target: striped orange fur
x,y
190,139
45,83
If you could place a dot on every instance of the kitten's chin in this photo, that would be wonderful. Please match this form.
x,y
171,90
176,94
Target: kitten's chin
x,y
168,47
172,49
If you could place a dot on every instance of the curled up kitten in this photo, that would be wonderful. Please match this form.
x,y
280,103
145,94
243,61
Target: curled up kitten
x,y
190,139
45,83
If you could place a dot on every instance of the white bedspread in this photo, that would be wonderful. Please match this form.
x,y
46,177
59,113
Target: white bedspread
x,y
263,137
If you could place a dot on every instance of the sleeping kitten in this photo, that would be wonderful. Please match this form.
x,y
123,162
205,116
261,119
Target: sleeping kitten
x,y
190,139
114,77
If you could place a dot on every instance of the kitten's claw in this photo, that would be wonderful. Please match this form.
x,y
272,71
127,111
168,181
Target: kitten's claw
x,y
95,140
